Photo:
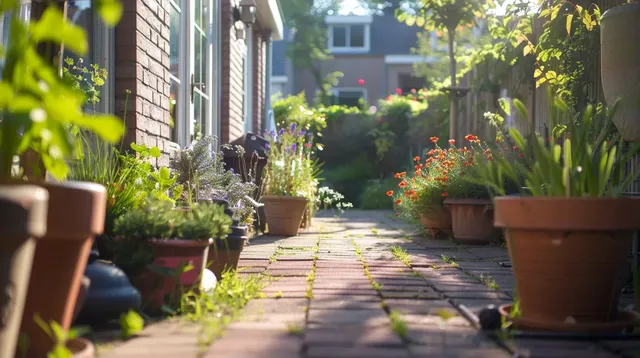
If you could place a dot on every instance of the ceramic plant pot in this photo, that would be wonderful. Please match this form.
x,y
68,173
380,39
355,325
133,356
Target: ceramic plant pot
x,y
472,220
23,217
76,214
157,288
569,255
284,214
306,218
620,62
437,219
225,253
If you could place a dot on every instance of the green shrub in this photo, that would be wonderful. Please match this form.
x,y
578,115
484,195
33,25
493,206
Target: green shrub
x,y
374,194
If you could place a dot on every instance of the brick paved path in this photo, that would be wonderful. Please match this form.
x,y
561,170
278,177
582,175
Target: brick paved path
x,y
342,293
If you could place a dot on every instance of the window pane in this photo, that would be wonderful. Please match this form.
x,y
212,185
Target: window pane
x,y
174,42
339,36
199,125
80,13
357,36
349,98
173,109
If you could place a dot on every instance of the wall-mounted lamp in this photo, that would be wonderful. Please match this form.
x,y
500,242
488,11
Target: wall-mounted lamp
x,y
240,30
245,12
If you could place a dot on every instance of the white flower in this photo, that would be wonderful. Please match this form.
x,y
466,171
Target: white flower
x,y
55,152
138,181
279,163
38,115
46,135
157,186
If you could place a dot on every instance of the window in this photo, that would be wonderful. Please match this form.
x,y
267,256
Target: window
x,y
248,82
351,97
349,34
25,15
349,37
408,82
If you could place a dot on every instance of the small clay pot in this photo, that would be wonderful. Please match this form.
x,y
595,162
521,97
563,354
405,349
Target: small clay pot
x,y
437,220
472,221
81,348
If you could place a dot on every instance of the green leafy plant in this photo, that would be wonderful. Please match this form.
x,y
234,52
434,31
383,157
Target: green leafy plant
x,y
59,337
204,221
37,107
156,219
86,79
329,199
131,323
577,168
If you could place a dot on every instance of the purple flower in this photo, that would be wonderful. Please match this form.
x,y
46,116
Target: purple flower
x,y
302,133
281,131
266,146
294,147
293,127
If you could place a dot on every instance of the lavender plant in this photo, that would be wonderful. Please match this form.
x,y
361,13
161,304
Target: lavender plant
x,y
201,171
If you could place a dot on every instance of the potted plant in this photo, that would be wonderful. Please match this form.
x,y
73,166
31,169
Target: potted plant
x,y
37,110
469,202
23,217
171,246
289,180
570,237
620,60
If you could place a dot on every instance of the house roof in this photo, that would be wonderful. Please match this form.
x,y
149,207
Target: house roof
x,y
270,16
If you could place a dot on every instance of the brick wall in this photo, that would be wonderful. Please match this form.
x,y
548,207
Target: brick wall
x,y
142,67
232,92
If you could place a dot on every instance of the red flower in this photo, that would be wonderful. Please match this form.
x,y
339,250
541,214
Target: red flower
x,y
434,139
398,201
398,91
388,98
416,159
390,192
396,214
361,82
452,141
402,184
445,194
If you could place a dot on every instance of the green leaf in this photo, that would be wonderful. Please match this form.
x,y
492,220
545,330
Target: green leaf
x,y
72,36
420,21
537,73
131,323
155,152
568,24
505,106
520,107
110,11
108,127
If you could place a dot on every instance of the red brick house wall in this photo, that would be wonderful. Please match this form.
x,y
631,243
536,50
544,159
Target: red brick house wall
x,y
142,67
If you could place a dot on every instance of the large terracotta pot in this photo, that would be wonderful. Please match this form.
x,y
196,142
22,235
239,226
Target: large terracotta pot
x,y
76,214
23,217
569,254
284,214
156,288
472,220
620,62
437,219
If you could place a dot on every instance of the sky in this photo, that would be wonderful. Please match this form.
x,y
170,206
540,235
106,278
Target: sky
x,y
352,7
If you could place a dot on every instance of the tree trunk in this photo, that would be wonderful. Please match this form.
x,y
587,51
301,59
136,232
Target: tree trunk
x,y
453,97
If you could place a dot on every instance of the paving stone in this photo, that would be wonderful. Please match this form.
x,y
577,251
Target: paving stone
x,y
346,336
446,336
376,317
267,342
454,352
429,294
342,302
355,352
273,305
536,348
478,295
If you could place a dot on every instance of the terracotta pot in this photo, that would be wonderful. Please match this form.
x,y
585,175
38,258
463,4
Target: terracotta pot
x,y
284,214
437,219
568,254
472,220
23,217
76,214
156,288
81,348
82,296
306,218
620,59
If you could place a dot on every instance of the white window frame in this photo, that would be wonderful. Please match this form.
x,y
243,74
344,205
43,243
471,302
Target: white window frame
x,y
336,91
347,22
248,82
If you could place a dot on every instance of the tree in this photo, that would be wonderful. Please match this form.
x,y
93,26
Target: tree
x,y
448,16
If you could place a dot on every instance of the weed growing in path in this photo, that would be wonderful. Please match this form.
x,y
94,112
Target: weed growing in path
x,y
398,325
402,255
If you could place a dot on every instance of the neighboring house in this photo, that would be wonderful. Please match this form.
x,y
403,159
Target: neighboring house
x,y
181,67
373,52
282,67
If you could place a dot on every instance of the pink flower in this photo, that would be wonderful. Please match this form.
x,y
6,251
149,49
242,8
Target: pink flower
x,y
398,91
307,145
361,82
413,90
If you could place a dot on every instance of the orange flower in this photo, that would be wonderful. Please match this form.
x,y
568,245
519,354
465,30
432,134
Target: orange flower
x,y
390,192
398,201
445,194
434,139
402,184
470,137
452,141
416,159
